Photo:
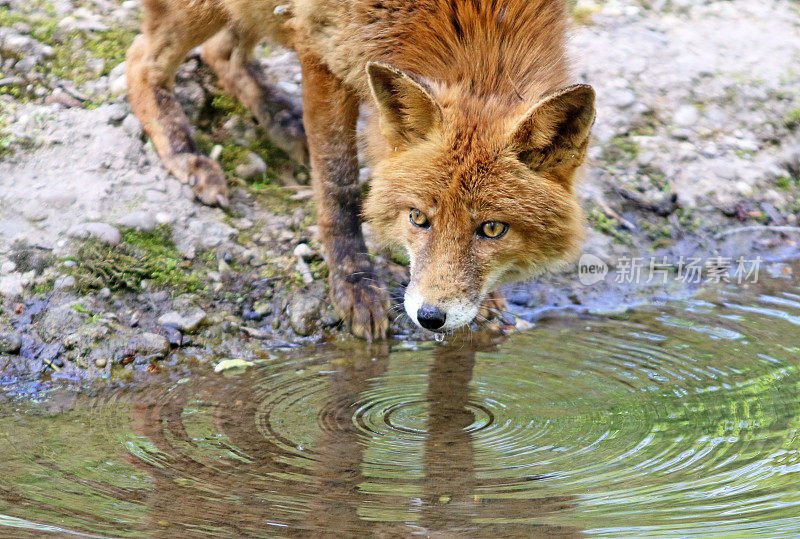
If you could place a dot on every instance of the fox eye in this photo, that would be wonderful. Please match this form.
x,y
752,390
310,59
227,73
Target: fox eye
x,y
419,219
492,230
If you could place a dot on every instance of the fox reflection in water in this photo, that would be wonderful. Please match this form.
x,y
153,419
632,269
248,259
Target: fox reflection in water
x,y
271,490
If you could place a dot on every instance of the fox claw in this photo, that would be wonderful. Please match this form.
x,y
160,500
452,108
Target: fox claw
x,y
363,305
206,179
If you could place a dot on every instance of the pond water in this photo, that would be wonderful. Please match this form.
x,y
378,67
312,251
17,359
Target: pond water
x,y
675,420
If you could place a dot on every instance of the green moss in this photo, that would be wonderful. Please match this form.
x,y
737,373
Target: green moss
x,y
582,15
656,231
142,256
688,220
6,139
656,176
646,124
783,182
792,119
620,149
70,49
69,59
227,106
319,269
43,287
606,225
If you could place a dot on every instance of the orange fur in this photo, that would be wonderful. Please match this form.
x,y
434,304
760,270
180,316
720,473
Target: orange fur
x,y
474,123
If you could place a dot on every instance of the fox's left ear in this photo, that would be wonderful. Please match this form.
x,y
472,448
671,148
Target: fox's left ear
x,y
408,111
553,136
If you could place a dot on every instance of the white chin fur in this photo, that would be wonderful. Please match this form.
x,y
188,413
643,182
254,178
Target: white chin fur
x,y
412,303
459,312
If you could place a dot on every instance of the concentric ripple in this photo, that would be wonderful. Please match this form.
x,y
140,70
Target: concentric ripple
x,y
677,421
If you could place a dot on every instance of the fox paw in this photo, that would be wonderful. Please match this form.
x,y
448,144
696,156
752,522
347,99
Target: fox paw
x,y
206,178
363,304
493,309
287,132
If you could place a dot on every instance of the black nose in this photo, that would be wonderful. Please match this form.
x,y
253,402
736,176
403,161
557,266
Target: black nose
x,y
431,318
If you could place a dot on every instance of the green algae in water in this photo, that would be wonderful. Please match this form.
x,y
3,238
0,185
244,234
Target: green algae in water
x,y
675,422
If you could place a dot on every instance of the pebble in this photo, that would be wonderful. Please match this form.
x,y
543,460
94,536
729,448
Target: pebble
x,y
621,99
119,82
24,46
64,282
263,307
304,313
227,364
100,363
150,344
301,196
7,267
132,126
140,220
254,168
116,113
303,251
10,343
187,322
11,285
686,116
100,231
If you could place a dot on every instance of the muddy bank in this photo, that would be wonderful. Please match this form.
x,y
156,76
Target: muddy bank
x,y
108,267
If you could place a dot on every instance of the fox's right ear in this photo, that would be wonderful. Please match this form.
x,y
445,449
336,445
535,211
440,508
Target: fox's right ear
x,y
553,136
407,109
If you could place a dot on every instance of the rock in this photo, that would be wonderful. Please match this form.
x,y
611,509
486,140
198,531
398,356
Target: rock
x,y
51,354
302,196
304,313
11,285
192,96
116,113
188,322
681,134
60,320
140,220
254,168
10,343
118,84
263,307
227,364
99,231
100,363
117,71
303,252
174,336
621,98
12,42
686,116
7,267
26,64
150,344
64,282
132,126
62,98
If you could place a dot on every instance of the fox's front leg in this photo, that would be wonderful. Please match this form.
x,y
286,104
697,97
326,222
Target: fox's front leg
x,y
151,64
330,112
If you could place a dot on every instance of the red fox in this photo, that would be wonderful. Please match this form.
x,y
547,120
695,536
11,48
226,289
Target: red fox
x,y
476,134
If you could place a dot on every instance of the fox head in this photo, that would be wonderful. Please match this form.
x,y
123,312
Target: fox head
x,y
479,192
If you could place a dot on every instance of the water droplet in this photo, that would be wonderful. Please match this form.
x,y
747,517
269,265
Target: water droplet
x,y
439,337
